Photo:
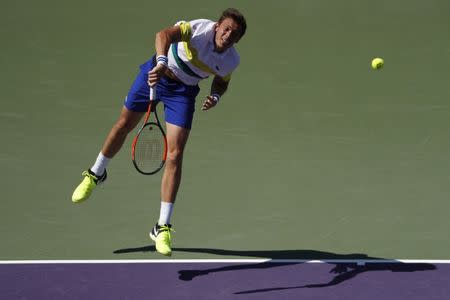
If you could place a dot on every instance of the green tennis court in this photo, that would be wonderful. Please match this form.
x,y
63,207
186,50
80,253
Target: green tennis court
x,y
310,149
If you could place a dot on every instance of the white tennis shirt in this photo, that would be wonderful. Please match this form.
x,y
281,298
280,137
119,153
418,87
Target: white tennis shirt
x,y
194,58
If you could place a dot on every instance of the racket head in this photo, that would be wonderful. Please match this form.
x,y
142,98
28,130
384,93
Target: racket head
x,y
149,149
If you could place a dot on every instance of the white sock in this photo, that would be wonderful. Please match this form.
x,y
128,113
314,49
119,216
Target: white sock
x,y
100,164
165,213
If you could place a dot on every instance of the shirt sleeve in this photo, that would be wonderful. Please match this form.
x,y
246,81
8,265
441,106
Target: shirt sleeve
x,y
186,30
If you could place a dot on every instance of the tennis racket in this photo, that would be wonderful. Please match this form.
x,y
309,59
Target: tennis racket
x,y
149,148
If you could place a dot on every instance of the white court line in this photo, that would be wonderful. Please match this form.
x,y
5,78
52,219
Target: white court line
x,y
159,261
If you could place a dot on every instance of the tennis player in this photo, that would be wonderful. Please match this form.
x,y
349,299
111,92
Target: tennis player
x,y
185,54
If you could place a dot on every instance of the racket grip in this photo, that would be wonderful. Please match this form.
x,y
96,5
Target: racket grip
x,y
152,93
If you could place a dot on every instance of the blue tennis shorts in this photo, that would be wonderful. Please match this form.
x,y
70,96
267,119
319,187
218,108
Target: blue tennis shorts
x,y
178,98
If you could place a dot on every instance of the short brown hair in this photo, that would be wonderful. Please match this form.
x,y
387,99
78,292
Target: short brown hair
x,y
236,15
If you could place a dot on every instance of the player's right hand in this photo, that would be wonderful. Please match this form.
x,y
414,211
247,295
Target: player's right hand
x,y
155,74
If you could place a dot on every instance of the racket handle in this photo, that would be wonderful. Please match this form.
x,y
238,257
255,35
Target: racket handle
x,y
152,93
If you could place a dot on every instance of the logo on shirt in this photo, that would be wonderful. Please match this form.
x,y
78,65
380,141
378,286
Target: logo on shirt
x,y
217,68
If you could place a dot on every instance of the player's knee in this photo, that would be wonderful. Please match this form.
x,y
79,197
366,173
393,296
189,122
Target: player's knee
x,y
174,156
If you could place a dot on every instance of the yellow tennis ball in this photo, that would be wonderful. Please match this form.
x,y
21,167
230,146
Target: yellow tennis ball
x,y
377,63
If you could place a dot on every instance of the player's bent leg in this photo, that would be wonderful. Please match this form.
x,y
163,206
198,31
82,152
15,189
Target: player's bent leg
x,y
127,121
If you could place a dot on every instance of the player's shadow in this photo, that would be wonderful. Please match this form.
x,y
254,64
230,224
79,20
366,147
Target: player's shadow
x,y
346,266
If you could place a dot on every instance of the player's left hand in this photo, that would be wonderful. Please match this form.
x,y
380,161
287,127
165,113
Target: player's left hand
x,y
209,102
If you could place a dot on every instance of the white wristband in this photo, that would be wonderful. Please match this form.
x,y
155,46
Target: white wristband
x,y
162,60
216,97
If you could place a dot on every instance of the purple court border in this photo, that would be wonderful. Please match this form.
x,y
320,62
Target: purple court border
x,y
256,279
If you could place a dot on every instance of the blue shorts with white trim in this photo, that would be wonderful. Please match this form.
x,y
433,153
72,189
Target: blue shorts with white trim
x,y
178,98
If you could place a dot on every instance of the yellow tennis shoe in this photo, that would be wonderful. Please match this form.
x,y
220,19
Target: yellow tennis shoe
x,y
85,188
161,235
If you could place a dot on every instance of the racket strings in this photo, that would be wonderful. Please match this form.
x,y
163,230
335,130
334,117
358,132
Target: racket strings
x,y
149,151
